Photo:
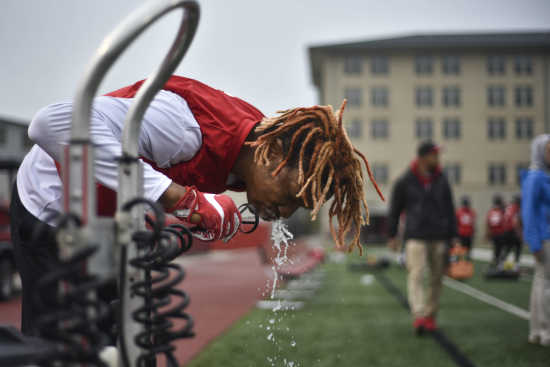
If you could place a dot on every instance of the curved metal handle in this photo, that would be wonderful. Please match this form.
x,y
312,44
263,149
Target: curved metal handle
x,y
113,46
186,32
78,172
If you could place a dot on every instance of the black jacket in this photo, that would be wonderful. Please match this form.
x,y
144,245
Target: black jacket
x,y
430,212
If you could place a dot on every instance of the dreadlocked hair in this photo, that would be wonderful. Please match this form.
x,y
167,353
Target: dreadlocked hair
x,y
314,140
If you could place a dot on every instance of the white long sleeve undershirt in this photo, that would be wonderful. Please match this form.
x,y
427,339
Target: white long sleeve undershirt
x,y
170,134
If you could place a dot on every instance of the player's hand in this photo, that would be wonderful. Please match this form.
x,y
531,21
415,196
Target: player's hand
x,y
393,244
216,216
169,219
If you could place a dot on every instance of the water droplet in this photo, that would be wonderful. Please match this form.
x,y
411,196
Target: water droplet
x,y
270,336
272,321
293,343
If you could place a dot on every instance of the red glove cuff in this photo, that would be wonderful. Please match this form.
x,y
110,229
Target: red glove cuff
x,y
186,205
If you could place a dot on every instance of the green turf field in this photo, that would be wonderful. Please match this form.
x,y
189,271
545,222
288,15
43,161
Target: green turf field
x,y
351,324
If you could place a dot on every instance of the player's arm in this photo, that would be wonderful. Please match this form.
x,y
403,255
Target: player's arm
x,y
397,204
50,129
451,213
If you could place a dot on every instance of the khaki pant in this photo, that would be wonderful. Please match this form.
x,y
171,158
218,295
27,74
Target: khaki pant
x,y
539,323
422,255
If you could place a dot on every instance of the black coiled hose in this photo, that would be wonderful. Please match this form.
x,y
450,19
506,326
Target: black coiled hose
x,y
163,302
73,309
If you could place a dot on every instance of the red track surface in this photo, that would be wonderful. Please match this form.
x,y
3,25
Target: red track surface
x,y
223,286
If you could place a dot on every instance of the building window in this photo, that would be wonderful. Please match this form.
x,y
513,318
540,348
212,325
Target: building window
x,y
524,96
353,64
523,65
379,96
379,65
520,168
3,135
354,96
451,96
496,65
379,129
451,128
380,172
453,173
424,129
496,128
497,174
496,95
354,128
451,65
524,128
424,96
424,65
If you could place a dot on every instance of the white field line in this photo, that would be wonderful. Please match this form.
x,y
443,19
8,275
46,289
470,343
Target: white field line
x,y
484,297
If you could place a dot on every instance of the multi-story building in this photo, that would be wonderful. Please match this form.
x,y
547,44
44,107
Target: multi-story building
x,y
14,144
483,97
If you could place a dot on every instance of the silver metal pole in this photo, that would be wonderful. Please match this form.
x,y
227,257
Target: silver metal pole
x,y
80,198
78,170
131,169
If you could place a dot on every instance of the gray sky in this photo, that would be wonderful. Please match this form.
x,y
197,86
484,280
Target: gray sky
x,y
253,49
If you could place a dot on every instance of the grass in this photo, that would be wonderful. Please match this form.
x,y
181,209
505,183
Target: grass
x,y
350,324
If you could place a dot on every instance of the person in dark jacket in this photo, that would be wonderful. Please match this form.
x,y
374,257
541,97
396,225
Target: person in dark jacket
x,y
424,194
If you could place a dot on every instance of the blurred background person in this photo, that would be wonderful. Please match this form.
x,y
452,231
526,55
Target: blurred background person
x,y
535,214
466,219
495,231
512,227
424,194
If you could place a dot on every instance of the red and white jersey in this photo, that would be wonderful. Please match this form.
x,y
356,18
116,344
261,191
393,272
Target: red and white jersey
x,y
191,134
495,221
465,218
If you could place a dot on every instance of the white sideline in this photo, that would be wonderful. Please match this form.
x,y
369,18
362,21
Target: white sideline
x,y
484,297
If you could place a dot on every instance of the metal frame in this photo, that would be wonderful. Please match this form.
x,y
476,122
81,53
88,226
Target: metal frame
x,y
78,168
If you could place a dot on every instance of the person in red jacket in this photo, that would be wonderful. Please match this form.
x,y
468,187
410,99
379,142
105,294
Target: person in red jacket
x,y
512,225
496,230
195,143
466,219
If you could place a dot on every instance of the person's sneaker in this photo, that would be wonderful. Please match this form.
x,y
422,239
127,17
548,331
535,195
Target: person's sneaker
x,y
430,324
418,325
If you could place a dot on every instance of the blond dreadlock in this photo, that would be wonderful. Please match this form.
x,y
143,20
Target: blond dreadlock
x,y
332,167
